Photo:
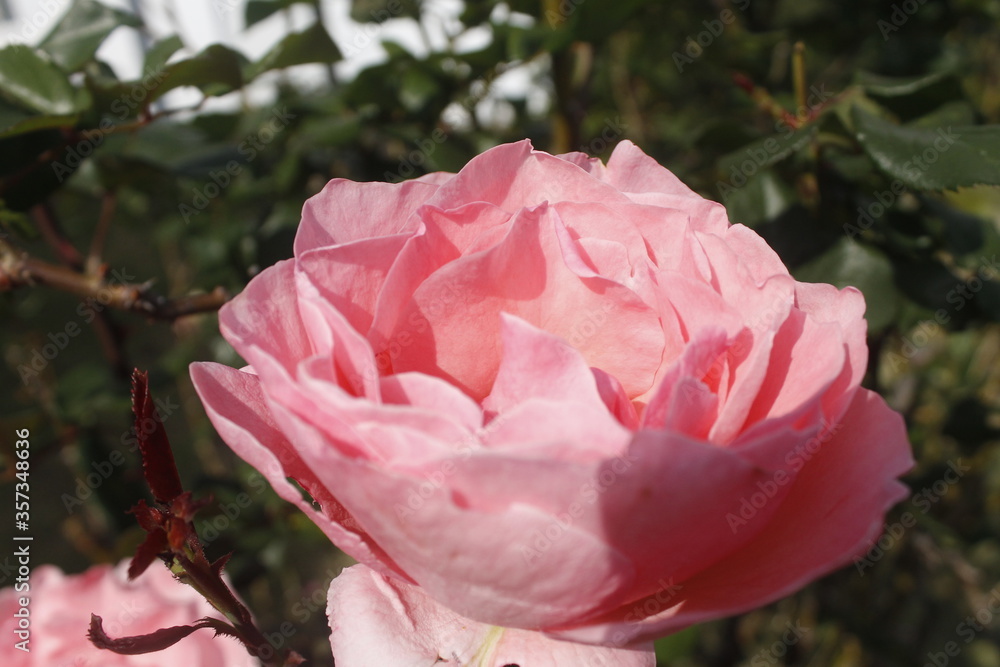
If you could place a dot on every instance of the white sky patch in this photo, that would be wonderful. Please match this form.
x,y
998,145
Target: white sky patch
x,y
200,23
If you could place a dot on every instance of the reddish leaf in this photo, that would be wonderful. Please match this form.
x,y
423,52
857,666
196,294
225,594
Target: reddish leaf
x,y
155,641
157,459
185,506
220,563
154,544
149,518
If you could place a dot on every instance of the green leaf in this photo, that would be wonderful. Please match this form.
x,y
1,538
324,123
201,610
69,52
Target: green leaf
x,y
911,97
76,37
35,83
931,159
159,53
890,86
417,88
851,263
258,10
13,122
742,164
677,646
215,71
764,197
380,11
312,45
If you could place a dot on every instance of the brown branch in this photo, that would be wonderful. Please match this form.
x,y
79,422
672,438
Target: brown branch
x,y
46,222
18,269
108,335
108,204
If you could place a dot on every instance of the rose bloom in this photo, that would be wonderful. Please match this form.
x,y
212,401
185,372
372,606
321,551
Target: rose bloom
x,y
59,615
560,395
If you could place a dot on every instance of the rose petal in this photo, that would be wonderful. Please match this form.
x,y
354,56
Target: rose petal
x,y
60,614
239,412
350,276
332,216
515,176
631,170
831,513
375,620
264,318
440,238
528,274
442,543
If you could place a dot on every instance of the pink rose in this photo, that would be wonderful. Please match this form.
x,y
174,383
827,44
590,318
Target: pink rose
x,y
560,396
377,620
59,614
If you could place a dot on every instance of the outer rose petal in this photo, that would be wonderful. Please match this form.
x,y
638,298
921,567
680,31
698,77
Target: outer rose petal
x,y
831,513
379,622
333,216
515,176
238,410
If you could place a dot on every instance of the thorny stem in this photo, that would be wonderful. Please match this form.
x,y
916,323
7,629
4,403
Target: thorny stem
x,y
172,538
19,269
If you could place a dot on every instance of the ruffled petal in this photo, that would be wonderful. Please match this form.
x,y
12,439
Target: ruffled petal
x,y
830,514
380,622
346,211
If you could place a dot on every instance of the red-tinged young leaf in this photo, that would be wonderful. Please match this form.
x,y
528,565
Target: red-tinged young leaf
x,y
157,459
179,533
154,544
221,563
149,518
185,506
155,641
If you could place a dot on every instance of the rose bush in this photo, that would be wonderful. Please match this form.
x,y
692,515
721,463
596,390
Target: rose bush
x,y
560,395
61,605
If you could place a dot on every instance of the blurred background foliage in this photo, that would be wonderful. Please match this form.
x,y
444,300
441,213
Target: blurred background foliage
x,y
857,137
